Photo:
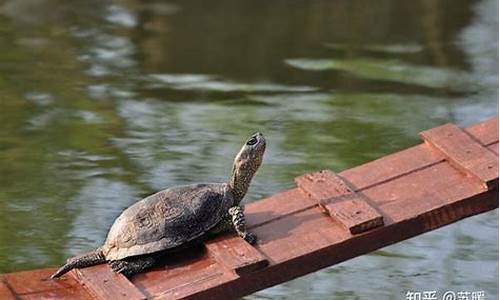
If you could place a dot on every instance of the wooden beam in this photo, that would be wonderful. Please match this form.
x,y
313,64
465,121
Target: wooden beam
x,y
465,153
5,291
338,199
413,191
104,284
237,255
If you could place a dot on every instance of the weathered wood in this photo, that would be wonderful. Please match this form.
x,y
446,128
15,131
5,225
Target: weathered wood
x,y
183,277
5,292
59,294
493,148
339,200
236,254
103,283
33,281
35,284
464,153
485,132
315,250
391,167
415,190
276,207
323,186
355,214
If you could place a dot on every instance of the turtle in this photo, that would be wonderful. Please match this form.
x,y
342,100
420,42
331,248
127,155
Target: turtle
x,y
175,217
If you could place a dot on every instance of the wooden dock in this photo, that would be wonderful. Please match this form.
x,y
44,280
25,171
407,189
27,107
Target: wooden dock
x,y
328,218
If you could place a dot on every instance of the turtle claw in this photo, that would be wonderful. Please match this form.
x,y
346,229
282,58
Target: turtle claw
x,y
250,238
119,266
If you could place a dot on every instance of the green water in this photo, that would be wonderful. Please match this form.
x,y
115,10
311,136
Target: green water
x,y
104,102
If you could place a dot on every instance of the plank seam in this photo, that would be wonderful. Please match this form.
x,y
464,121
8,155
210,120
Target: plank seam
x,y
127,286
478,141
175,288
415,170
484,145
284,215
9,288
487,147
438,140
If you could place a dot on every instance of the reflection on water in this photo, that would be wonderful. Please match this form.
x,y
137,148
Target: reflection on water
x,y
387,70
103,103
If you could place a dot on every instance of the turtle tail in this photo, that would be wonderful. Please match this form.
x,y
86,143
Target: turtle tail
x,y
84,260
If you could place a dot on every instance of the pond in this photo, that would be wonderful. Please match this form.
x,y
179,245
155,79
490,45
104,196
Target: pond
x,y
104,102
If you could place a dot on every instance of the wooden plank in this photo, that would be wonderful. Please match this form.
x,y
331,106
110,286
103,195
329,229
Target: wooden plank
x,y
415,191
103,283
5,292
236,254
391,167
338,199
59,294
184,274
448,186
276,206
410,188
33,281
355,214
464,153
494,148
485,132
306,232
299,234
323,185
311,251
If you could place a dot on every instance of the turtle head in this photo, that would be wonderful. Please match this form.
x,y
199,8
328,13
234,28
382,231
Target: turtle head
x,y
246,164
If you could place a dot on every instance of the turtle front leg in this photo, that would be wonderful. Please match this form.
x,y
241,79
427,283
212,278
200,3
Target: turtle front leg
x,y
133,265
238,220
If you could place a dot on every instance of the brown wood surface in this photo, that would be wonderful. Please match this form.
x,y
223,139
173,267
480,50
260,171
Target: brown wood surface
x,y
5,292
485,132
104,284
236,254
464,152
355,214
322,186
35,284
59,294
339,200
415,190
26,282
493,148
183,276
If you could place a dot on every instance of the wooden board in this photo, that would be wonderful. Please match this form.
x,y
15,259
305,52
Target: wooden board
x,y
183,276
27,282
35,284
485,132
59,294
5,292
415,190
104,284
355,214
464,152
493,148
339,200
322,186
236,254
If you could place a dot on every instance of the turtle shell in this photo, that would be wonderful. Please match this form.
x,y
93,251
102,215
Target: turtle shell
x,y
167,219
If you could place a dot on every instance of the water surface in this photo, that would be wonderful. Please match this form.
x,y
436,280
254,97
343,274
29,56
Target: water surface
x,y
104,102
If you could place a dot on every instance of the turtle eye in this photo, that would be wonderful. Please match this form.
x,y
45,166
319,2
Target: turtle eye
x,y
252,141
